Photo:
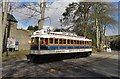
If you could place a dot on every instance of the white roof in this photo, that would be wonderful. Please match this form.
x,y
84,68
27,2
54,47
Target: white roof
x,y
46,34
61,36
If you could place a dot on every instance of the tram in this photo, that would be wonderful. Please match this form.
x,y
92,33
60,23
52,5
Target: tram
x,y
58,43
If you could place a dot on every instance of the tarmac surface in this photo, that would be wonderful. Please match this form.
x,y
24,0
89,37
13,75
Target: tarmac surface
x,y
97,66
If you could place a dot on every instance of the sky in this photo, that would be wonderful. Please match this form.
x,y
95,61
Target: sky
x,y
54,10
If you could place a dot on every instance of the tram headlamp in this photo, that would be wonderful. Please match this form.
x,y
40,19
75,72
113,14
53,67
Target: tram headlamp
x,y
29,42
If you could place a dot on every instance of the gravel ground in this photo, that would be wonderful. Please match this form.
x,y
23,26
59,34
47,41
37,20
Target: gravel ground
x,y
97,65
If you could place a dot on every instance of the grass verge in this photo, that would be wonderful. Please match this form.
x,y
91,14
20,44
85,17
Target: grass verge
x,y
17,55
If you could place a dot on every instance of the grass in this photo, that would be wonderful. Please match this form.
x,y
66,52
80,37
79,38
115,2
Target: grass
x,y
17,55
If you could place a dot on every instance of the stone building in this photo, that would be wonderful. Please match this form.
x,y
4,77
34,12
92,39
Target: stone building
x,y
23,36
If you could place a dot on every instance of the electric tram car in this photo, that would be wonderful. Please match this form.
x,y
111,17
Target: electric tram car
x,y
56,44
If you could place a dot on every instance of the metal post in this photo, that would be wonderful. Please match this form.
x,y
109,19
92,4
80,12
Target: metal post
x,y
39,45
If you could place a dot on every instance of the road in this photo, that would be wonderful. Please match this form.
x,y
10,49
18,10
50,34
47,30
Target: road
x,y
97,65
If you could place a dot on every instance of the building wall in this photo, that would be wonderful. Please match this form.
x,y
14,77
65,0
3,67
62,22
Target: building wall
x,y
23,36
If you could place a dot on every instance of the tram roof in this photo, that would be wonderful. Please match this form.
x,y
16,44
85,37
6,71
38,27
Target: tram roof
x,y
61,36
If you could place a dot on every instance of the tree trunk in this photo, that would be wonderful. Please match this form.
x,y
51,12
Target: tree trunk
x,y
5,20
85,24
1,36
41,21
103,38
98,34
85,30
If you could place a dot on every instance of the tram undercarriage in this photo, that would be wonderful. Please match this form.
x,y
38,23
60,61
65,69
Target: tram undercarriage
x,y
56,57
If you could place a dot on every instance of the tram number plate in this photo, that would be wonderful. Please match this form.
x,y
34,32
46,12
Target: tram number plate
x,y
58,51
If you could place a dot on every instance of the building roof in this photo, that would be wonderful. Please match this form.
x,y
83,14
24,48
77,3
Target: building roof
x,y
11,18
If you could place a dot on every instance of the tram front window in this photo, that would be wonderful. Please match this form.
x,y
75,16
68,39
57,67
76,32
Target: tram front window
x,y
35,43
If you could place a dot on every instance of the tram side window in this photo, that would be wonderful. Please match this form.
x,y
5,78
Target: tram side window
x,y
88,43
37,40
41,40
71,41
60,41
77,42
56,41
80,42
85,42
74,41
68,41
46,41
64,41
51,40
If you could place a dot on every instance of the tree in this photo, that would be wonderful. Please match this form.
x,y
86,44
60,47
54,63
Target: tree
x,y
102,15
5,22
87,17
30,28
1,36
41,20
35,28
77,16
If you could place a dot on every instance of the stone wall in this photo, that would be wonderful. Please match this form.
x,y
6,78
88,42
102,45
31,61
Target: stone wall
x,y
23,36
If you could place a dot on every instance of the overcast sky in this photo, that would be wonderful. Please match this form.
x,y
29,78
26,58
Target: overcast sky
x,y
54,10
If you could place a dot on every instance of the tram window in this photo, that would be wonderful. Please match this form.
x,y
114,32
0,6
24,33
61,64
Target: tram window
x,y
46,40
74,41
88,42
84,42
71,41
68,41
60,41
32,40
41,40
37,40
56,41
77,42
51,40
80,42
64,41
